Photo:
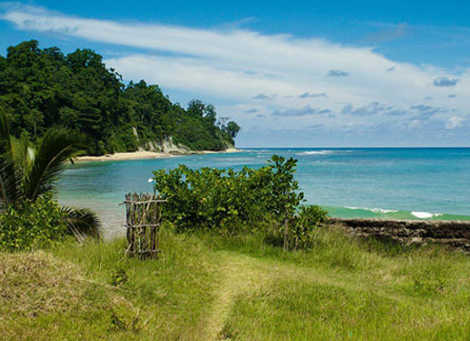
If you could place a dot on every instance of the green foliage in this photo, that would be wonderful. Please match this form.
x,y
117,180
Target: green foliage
x,y
207,197
28,173
33,224
307,220
285,197
229,201
40,88
233,129
119,277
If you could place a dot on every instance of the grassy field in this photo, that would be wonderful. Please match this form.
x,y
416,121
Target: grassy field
x,y
208,287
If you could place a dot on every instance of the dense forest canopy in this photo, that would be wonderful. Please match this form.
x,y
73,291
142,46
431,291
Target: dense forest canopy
x,y
40,88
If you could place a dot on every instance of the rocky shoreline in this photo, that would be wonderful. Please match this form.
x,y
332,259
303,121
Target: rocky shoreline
x,y
453,234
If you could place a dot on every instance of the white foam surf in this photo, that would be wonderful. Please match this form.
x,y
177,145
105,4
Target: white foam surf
x,y
317,152
323,152
425,215
375,210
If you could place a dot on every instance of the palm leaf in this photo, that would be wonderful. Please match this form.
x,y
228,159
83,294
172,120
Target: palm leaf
x,y
9,182
9,175
27,173
82,223
57,147
24,153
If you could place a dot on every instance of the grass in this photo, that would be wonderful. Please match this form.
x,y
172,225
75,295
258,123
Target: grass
x,y
208,287
89,291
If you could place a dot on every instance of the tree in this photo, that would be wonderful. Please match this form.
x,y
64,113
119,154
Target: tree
x,y
233,129
41,88
196,108
28,172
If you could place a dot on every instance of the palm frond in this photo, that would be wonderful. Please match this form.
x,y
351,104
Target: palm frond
x,y
9,175
27,173
9,182
82,223
24,153
5,138
57,147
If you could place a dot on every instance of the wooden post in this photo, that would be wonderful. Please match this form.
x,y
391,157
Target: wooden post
x,y
143,219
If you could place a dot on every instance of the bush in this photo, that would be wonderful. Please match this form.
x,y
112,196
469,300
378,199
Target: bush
x,y
209,198
228,201
302,228
304,224
32,225
216,198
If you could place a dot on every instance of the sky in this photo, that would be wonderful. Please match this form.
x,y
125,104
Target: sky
x,y
291,73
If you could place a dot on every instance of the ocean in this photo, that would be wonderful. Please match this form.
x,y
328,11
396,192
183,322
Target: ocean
x,y
390,183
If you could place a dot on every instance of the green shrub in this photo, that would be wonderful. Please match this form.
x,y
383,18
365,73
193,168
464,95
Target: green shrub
x,y
31,225
304,224
216,198
230,202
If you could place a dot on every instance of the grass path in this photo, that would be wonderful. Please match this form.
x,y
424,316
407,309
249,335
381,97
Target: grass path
x,y
238,274
241,274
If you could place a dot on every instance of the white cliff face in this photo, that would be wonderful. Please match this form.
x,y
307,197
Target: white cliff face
x,y
169,147
166,146
134,130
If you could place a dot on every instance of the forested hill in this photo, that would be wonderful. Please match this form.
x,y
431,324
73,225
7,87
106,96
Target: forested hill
x,y
40,88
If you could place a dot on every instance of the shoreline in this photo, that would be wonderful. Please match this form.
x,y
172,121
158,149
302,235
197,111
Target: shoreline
x,y
451,234
141,155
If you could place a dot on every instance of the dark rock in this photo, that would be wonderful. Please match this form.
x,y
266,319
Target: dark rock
x,y
454,234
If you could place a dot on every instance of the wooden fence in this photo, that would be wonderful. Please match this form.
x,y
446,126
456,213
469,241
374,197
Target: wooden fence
x,y
143,220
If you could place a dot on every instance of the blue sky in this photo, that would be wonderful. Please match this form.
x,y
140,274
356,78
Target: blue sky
x,y
292,73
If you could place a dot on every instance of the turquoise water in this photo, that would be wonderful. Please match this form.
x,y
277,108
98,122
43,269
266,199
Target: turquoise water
x,y
397,183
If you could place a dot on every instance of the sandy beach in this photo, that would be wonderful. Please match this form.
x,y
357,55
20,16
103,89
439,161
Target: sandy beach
x,y
145,155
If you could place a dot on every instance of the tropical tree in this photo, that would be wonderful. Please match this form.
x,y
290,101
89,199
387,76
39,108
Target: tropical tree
x,y
28,172
40,88
233,129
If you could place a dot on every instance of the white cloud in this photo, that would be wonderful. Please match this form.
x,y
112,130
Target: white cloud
x,y
454,122
233,66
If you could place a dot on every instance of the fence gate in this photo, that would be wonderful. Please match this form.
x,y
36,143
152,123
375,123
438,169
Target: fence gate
x,y
143,219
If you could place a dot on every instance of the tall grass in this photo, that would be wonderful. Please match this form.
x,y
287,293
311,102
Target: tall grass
x,y
249,289
114,296
348,288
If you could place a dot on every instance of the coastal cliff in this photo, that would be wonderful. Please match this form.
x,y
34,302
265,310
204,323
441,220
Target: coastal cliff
x,y
168,146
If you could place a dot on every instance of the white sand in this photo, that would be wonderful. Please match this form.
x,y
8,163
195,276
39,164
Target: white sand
x,y
143,155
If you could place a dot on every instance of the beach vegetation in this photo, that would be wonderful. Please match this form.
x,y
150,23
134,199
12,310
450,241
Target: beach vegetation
x,y
28,178
32,224
232,128
244,201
